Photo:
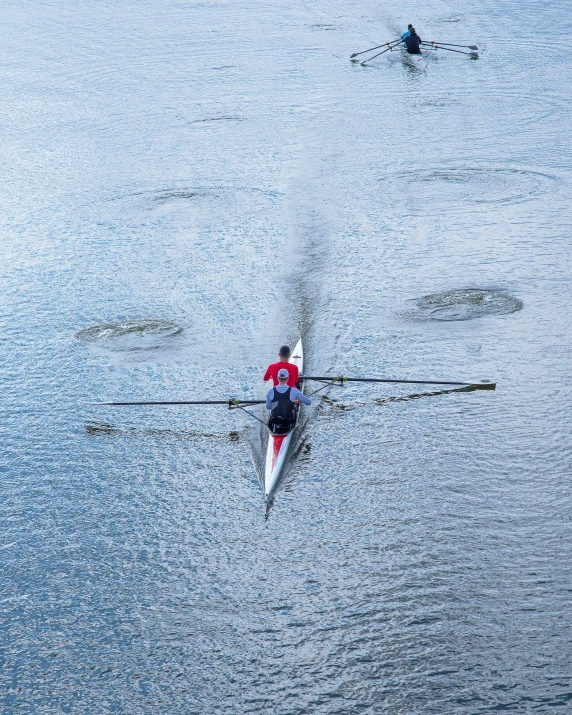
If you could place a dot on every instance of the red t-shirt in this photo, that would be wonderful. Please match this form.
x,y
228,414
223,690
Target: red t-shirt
x,y
272,373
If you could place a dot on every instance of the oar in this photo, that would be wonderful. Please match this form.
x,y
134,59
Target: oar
x,y
450,44
369,59
371,49
472,55
231,402
341,380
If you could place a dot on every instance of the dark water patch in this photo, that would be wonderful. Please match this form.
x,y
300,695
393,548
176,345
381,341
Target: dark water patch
x,y
323,26
210,120
104,429
463,304
129,335
101,428
450,19
204,202
330,406
434,189
440,102
172,195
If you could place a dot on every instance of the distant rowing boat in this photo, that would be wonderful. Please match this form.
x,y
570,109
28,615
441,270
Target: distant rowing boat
x,y
278,445
415,60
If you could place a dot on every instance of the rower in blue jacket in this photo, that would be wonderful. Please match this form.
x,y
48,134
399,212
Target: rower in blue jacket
x,y
281,402
413,43
406,34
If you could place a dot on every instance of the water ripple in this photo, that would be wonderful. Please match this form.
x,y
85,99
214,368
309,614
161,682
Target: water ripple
x,y
458,189
463,304
129,335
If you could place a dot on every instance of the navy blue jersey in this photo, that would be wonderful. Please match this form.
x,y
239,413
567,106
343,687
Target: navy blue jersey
x,y
413,44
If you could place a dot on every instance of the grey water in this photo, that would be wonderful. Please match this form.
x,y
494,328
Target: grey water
x,y
185,186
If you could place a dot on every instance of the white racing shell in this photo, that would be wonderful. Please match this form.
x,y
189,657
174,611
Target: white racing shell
x,y
418,61
277,449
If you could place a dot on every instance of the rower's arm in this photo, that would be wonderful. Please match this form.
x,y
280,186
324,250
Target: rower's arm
x,y
295,394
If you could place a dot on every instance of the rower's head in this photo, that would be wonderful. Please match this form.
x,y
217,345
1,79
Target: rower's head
x,y
412,31
283,376
410,26
284,352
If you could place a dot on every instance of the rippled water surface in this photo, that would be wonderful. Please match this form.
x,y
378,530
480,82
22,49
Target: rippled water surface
x,y
187,185
463,304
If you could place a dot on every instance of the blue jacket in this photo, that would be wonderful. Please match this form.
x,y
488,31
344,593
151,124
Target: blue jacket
x,y
405,36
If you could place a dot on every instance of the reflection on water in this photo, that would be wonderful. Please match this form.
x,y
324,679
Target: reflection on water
x,y
104,429
436,393
330,407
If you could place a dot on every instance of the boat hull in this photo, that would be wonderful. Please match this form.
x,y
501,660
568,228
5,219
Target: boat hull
x,y
417,61
278,446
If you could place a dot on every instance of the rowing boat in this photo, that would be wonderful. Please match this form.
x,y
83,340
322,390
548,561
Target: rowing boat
x,y
278,445
417,61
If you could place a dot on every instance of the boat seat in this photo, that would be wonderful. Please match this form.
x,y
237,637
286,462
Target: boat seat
x,y
280,428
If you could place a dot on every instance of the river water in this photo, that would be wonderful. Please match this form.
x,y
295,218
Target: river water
x,y
186,186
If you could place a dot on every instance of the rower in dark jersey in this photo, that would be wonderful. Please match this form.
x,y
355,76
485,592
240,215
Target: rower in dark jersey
x,y
413,42
281,401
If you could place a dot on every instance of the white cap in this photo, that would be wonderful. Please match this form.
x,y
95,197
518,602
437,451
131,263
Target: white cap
x,y
283,374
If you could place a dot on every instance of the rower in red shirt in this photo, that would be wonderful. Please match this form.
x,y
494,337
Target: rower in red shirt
x,y
272,372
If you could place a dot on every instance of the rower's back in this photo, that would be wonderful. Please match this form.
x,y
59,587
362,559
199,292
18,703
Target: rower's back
x,y
413,43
